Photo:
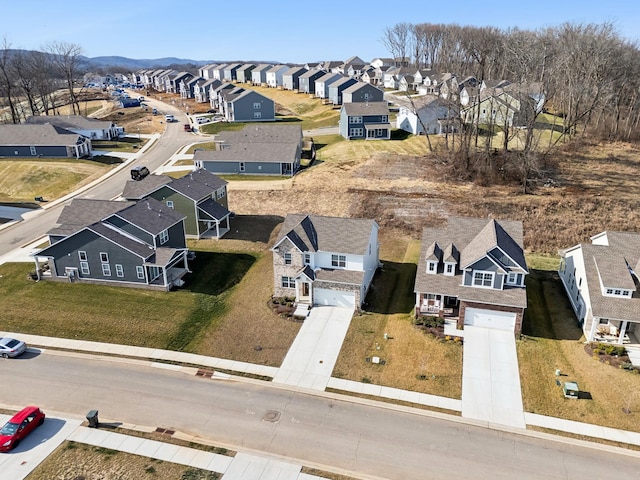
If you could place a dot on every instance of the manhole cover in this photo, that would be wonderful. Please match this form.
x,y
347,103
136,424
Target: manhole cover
x,y
271,416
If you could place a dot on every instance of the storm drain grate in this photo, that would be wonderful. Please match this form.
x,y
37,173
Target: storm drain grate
x,y
271,416
165,431
204,373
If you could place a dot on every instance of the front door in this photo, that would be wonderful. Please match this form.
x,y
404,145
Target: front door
x,y
305,289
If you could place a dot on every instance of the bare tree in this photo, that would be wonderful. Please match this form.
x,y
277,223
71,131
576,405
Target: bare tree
x,y
7,86
67,58
396,40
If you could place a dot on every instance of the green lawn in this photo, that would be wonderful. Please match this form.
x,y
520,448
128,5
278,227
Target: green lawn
x,y
174,321
553,340
125,144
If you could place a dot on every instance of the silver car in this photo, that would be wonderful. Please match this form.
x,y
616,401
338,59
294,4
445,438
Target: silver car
x,y
10,347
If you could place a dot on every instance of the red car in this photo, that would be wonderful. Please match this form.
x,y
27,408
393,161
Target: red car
x,y
20,425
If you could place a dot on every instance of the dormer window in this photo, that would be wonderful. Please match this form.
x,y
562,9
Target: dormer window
x,y
449,268
483,279
616,292
431,267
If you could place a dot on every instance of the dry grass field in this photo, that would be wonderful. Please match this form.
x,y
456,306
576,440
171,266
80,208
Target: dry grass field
x,y
23,179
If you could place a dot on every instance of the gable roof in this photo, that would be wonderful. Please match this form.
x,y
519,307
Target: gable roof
x,y
150,215
198,184
137,189
358,86
82,212
366,108
263,133
314,233
29,134
70,122
270,152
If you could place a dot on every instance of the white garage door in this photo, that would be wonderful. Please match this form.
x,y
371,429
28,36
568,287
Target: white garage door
x,y
490,319
335,298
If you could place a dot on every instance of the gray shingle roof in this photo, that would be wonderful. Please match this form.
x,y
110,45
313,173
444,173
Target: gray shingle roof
x,y
366,108
250,152
70,122
314,233
138,247
137,189
213,209
28,134
462,233
198,184
82,212
340,276
611,262
263,133
150,215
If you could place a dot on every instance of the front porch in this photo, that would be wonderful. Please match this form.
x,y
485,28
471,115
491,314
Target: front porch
x,y
620,332
438,305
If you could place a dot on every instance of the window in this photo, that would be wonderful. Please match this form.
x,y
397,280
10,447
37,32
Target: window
x,y
170,203
287,259
220,193
482,279
257,105
617,292
104,258
355,119
626,293
242,166
257,114
140,271
511,278
82,256
579,282
431,266
338,261
288,282
366,96
307,259
84,268
355,132
33,151
119,270
164,237
384,118
609,291
449,268
106,269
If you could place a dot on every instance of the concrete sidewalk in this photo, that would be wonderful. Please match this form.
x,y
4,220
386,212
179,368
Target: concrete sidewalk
x,y
18,464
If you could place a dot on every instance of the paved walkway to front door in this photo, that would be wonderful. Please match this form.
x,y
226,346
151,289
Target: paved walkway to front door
x,y
490,378
313,354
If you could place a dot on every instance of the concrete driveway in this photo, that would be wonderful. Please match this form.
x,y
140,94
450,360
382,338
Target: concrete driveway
x,y
19,462
490,378
313,354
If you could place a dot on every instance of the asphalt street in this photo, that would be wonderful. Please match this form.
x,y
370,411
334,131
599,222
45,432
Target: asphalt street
x,y
309,428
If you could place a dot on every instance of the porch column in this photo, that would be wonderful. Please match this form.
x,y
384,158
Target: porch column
x,y
35,259
595,321
164,275
217,229
623,331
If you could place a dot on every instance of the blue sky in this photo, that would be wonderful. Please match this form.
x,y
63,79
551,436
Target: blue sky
x,y
278,30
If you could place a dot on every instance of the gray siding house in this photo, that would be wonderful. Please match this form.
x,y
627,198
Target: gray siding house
x,y
324,82
250,106
290,78
259,74
365,121
243,74
307,81
336,88
116,243
42,141
362,92
274,75
229,72
255,150
200,196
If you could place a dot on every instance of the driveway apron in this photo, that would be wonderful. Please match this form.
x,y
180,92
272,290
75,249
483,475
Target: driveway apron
x,y
313,354
490,378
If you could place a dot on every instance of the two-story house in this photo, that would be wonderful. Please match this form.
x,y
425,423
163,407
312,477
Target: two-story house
x,y
473,270
428,114
601,280
116,243
368,120
325,260
200,196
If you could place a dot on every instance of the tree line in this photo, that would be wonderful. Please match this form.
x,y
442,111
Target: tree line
x,y
587,75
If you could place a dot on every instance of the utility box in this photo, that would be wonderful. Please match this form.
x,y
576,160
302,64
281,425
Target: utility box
x,y
92,418
571,390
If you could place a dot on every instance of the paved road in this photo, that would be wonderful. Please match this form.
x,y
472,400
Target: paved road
x,y
314,429
39,222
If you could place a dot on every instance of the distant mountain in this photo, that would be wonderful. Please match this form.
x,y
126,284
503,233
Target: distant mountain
x,y
135,64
